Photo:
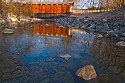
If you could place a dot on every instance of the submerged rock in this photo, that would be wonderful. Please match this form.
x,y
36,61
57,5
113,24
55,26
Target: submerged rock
x,y
66,56
104,78
13,74
88,72
65,78
8,31
121,43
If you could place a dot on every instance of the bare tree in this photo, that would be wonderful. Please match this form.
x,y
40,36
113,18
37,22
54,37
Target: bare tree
x,y
0,6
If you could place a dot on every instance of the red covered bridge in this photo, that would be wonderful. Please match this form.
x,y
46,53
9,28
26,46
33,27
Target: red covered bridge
x,y
40,9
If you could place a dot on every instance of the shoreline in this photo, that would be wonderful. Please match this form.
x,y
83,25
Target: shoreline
x,y
109,24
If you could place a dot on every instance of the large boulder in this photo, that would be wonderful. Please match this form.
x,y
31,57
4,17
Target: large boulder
x,y
87,73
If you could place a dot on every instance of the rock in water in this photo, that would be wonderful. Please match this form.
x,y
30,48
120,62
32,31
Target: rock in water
x,y
121,43
8,31
66,56
99,36
88,72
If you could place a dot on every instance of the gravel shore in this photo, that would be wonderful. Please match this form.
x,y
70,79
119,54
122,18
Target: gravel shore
x,y
110,24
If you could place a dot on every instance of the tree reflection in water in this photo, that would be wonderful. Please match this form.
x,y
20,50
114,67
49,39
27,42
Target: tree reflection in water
x,y
109,56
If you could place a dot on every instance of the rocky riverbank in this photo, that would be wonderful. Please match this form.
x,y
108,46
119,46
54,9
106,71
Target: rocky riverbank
x,y
110,24
8,22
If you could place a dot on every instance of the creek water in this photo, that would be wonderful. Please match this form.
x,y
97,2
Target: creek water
x,y
32,55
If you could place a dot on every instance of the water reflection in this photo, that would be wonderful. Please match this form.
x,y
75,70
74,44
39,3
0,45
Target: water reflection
x,y
50,29
33,55
109,55
68,39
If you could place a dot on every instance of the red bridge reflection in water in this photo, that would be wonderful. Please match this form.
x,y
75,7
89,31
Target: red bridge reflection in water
x,y
50,29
